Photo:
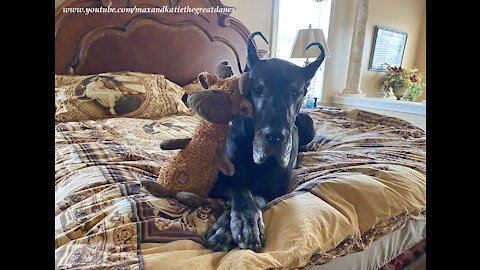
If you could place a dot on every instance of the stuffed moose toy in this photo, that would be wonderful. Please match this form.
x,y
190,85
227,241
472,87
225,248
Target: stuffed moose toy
x,y
192,172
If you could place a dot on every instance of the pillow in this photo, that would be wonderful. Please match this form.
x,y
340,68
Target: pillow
x,y
116,94
193,86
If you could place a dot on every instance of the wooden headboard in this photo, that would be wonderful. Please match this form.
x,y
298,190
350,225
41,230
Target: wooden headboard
x,y
178,45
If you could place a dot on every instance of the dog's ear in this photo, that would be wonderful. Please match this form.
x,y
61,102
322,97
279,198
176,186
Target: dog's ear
x,y
212,105
243,84
252,55
310,70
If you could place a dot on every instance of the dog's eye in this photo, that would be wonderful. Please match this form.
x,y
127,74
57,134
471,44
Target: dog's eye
x,y
295,93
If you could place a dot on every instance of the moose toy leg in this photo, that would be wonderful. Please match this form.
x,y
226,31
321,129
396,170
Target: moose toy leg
x,y
155,189
172,144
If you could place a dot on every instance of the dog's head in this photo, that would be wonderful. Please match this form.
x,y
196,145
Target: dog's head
x,y
277,89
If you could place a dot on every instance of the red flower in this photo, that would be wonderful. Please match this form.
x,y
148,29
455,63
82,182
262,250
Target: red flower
x,y
399,69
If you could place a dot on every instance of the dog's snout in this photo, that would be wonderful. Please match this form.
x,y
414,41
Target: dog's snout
x,y
274,135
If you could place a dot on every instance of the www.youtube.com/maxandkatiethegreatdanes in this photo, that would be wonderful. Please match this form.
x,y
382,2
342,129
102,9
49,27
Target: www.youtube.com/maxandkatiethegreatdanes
x,y
135,9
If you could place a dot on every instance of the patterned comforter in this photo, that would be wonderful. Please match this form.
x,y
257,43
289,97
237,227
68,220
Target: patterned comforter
x,y
363,177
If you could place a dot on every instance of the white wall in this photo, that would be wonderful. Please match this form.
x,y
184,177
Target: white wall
x,y
256,15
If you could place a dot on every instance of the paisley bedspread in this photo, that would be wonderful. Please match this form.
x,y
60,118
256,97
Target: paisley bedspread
x,y
363,176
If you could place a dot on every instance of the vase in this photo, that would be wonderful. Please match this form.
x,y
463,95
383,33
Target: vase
x,y
401,92
387,93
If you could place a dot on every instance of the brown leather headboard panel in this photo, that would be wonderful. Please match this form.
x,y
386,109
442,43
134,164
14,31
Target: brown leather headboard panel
x,y
178,45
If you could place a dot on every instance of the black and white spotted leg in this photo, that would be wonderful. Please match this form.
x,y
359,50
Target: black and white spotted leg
x,y
219,236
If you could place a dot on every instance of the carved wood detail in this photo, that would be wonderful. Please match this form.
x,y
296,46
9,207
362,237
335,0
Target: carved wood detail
x,y
177,45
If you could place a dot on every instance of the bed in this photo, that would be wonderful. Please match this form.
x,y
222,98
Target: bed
x,y
357,200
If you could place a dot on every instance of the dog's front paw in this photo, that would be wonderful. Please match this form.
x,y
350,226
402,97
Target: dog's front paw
x,y
248,229
219,237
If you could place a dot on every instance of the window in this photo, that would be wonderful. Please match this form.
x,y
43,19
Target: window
x,y
388,47
294,15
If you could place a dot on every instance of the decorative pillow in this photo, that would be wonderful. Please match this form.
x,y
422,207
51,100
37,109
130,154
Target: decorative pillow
x,y
116,94
193,86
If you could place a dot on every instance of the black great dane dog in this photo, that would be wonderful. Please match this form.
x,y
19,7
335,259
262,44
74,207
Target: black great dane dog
x,y
263,149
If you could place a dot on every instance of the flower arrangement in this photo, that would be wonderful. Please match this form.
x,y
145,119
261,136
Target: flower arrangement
x,y
404,84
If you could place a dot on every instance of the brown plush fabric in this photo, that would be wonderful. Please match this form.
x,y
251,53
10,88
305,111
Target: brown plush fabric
x,y
193,169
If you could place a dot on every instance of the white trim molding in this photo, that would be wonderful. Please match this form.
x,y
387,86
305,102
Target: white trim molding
x,y
274,39
382,104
